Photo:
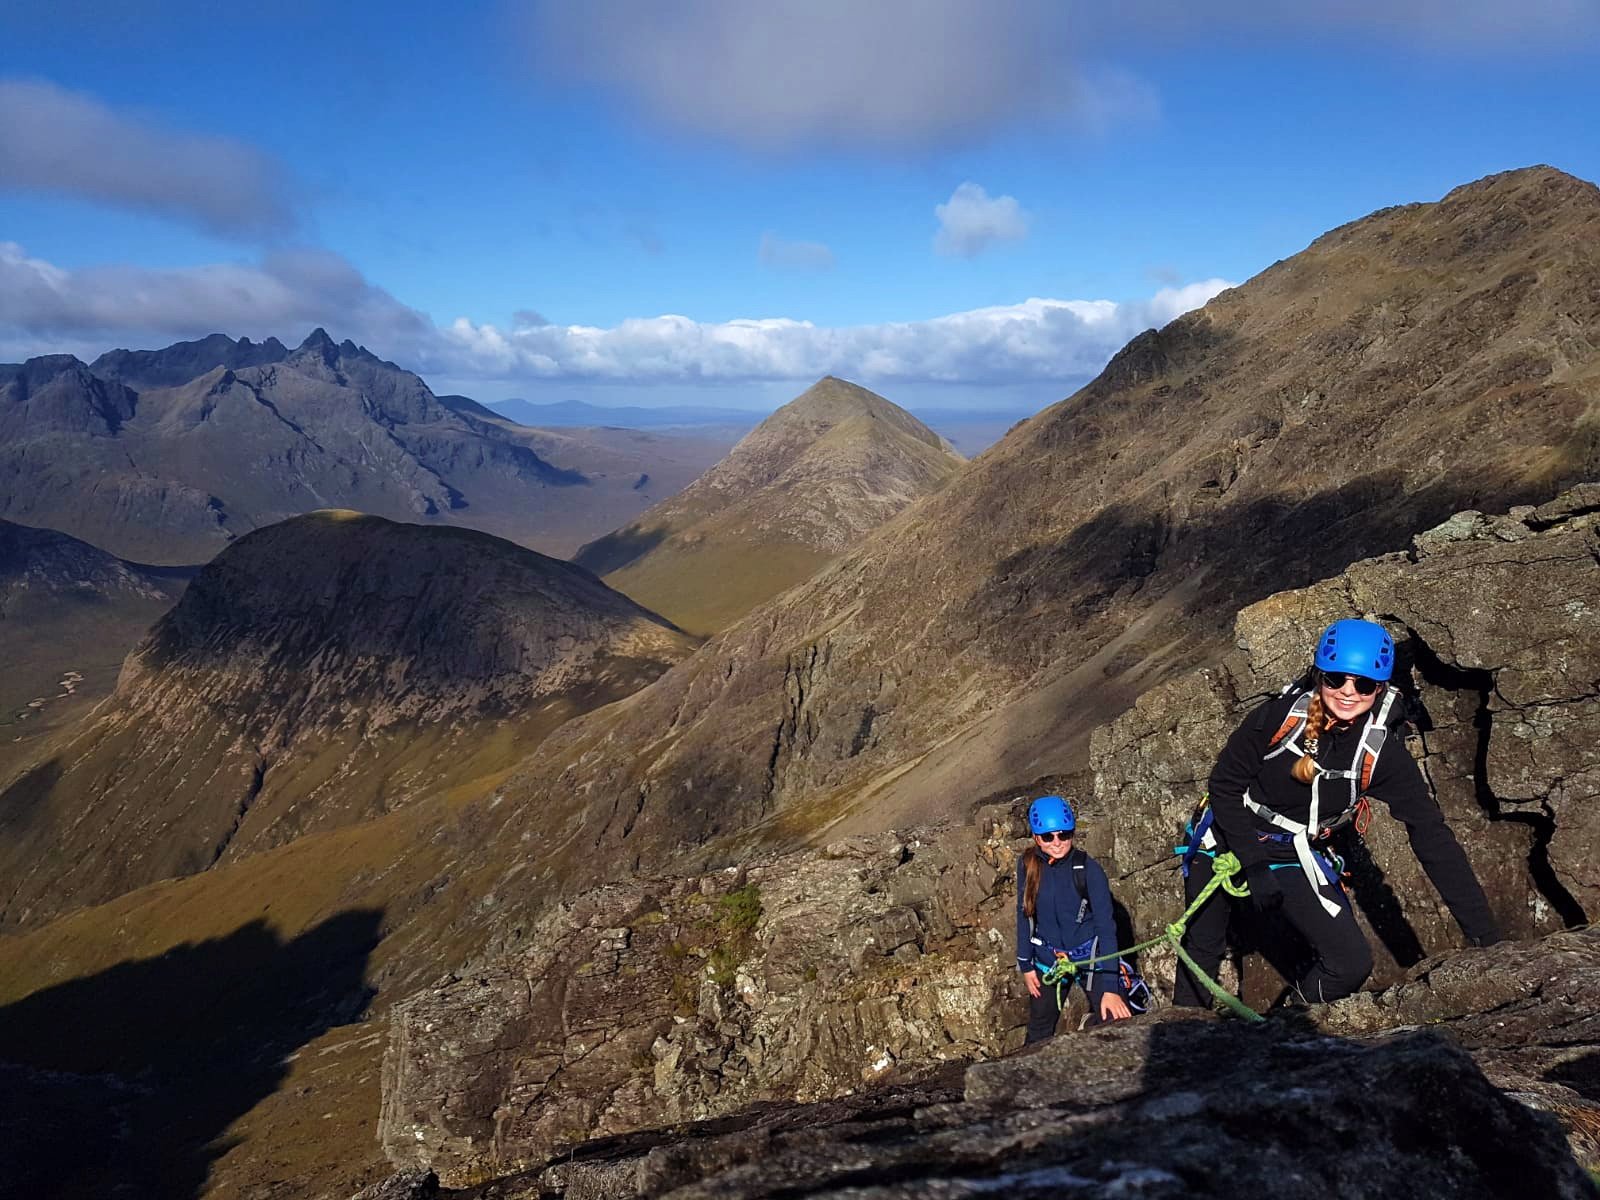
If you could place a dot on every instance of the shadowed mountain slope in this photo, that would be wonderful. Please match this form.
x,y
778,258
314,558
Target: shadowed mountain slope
x,y
798,491
1426,359
69,614
324,670
166,456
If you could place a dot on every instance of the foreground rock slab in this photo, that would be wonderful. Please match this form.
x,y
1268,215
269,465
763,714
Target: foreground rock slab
x,y
1173,1106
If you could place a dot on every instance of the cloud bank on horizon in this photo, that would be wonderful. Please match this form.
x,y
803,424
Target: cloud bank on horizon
x,y
45,306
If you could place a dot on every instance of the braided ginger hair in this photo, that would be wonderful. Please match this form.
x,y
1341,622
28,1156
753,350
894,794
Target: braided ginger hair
x,y
1318,722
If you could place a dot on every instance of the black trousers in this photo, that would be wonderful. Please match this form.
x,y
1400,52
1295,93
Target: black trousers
x,y
1044,1012
1341,960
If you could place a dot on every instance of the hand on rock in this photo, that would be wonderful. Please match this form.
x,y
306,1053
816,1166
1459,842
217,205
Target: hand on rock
x,y
1114,1008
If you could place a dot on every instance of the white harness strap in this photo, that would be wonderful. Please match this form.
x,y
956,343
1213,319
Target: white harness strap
x,y
1372,739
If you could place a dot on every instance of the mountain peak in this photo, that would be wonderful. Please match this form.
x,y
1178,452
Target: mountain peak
x,y
828,403
828,467
318,339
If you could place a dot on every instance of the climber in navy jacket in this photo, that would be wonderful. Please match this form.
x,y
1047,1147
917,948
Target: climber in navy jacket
x,y
1063,908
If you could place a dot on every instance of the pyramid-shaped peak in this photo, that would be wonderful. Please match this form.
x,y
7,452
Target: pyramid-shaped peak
x,y
831,402
318,340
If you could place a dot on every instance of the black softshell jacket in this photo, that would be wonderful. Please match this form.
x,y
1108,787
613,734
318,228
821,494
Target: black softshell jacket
x,y
1396,781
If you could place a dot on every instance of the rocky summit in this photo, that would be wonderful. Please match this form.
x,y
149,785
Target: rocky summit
x,y
797,492
319,671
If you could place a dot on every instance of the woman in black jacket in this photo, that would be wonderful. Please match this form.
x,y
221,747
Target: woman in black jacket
x,y
1299,767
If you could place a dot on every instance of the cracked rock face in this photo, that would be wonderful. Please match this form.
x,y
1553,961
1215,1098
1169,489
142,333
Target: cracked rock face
x,y
795,978
1495,620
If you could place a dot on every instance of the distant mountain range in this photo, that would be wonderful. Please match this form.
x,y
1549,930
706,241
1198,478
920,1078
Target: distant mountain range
x,y
969,430
166,456
800,489
576,413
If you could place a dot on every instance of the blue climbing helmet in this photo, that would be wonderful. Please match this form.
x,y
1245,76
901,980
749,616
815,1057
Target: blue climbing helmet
x,y
1050,814
1356,648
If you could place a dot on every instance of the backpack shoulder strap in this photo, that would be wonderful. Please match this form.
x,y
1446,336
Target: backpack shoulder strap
x,y
1373,738
1080,880
1288,734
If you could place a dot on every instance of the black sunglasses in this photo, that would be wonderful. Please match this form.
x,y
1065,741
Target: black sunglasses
x,y
1335,680
1055,836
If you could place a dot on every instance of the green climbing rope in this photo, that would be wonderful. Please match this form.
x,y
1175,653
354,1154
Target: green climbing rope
x,y
1223,868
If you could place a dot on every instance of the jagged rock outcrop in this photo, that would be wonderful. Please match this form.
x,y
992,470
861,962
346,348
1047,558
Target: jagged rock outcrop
x,y
1500,650
176,365
323,670
798,491
675,999
1426,359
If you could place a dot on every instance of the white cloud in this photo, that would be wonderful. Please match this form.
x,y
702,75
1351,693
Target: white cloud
x,y
287,291
1038,339
787,73
66,142
44,307
971,221
799,256
913,74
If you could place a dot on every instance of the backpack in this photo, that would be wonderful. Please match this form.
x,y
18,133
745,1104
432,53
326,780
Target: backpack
x,y
1134,989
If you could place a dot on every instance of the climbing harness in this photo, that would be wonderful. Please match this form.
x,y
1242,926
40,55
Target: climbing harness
x,y
1358,810
1134,989
1223,867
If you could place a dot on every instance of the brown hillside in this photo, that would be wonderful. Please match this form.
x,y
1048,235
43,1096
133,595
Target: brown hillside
x,y
321,671
1426,359
798,491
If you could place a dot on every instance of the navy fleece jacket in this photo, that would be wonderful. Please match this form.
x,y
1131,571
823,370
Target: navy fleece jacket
x,y
1057,924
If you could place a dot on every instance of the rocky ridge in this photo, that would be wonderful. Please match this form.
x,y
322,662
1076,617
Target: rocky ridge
x,y
852,1069
1423,360
808,975
322,670
797,492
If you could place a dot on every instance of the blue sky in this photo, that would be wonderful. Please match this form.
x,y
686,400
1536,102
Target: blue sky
x,y
509,197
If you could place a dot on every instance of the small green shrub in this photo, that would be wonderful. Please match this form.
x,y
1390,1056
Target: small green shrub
x,y
738,911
